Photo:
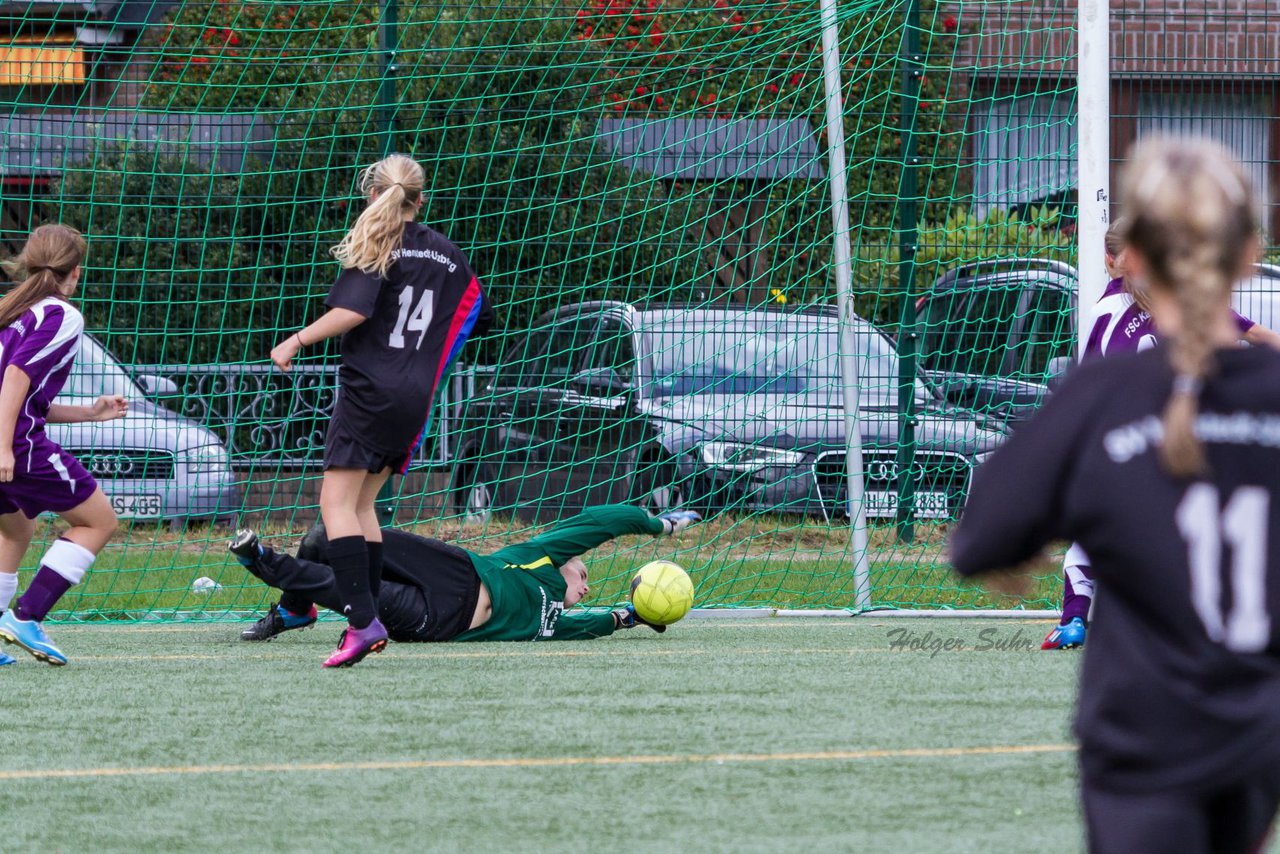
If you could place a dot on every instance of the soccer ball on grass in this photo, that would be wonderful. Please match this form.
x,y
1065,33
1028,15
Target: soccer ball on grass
x,y
661,593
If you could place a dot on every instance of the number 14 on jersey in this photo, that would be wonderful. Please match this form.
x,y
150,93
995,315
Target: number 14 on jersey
x,y
412,319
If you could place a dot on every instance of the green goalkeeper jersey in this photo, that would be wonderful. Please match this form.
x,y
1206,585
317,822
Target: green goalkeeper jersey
x,y
527,589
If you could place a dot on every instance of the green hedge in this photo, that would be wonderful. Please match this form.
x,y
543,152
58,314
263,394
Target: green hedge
x,y
500,101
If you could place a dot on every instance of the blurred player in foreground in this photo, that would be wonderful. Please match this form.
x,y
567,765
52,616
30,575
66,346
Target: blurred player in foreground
x,y
39,337
434,591
1164,466
1119,322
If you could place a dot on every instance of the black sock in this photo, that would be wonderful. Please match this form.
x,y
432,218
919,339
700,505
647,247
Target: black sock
x,y
350,561
375,568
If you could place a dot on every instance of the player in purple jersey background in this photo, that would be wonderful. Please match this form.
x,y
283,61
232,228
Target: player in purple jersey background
x,y
1119,322
39,338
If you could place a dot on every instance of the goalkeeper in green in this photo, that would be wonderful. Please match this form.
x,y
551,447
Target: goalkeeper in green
x,y
432,591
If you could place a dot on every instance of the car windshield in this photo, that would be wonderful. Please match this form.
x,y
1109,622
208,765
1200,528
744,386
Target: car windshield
x,y
721,352
1010,328
95,372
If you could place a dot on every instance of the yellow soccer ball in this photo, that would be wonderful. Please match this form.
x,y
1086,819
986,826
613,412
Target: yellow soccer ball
x,y
661,593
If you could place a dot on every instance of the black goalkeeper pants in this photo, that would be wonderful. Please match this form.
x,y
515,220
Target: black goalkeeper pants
x,y
429,588
402,608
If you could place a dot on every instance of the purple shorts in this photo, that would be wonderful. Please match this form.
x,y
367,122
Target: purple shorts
x,y
45,479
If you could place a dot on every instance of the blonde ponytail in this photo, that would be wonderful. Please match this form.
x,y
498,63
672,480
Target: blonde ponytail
x,y
395,184
1193,218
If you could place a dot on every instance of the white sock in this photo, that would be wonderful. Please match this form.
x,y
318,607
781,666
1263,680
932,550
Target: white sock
x,y
8,587
69,560
1080,583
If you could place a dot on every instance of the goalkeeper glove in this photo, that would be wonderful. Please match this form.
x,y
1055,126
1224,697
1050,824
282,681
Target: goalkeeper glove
x,y
627,618
675,521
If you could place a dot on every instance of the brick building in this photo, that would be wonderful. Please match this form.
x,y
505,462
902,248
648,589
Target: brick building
x,y
71,52
1177,66
62,63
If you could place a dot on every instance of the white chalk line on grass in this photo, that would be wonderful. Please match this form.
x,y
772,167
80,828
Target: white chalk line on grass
x,y
543,762
703,623
399,652
434,655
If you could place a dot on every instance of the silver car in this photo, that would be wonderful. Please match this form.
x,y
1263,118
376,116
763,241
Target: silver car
x,y
153,463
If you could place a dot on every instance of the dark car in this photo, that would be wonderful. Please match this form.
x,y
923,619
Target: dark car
x,y
994,335
713,409
990,333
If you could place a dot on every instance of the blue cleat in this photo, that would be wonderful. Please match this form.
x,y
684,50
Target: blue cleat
x,y
1068,636
276,622
30,635
4,658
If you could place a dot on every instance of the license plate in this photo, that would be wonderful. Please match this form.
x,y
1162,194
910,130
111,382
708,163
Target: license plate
x,y
136,506
928,505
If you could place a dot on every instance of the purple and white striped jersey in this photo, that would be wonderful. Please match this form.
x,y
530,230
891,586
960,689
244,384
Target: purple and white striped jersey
x,y
43,342
1118,325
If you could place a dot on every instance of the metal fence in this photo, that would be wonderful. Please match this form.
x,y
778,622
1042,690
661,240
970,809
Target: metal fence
x,y
267,416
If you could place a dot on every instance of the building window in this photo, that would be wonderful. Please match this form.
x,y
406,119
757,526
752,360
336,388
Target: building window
x,y
1238,122
35,64
1024,150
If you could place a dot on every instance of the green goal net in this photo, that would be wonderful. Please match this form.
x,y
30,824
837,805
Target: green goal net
x,y
644,189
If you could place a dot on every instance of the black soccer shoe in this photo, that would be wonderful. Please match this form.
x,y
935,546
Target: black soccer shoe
x,y
276,622
245,547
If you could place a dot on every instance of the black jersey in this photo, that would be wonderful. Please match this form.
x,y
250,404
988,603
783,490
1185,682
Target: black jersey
x,y
1181,676
419,316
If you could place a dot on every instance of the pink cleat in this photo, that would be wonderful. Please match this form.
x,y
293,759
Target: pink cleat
x,y
357,643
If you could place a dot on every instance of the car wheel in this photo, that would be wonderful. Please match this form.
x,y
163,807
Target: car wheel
x,y
656,487
471,493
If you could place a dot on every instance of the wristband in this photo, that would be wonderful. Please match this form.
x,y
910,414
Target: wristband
x,y
298,335
1186,384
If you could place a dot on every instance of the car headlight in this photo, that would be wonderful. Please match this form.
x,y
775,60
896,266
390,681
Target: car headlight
x,y
735,456
207,460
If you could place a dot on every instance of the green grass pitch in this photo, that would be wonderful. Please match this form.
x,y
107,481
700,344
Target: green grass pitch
x,y
722,735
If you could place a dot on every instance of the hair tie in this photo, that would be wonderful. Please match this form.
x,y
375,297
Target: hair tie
x,y
1187,384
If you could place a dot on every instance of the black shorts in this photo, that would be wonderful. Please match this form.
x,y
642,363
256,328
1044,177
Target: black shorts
x,y
1217,820
343,449
441,574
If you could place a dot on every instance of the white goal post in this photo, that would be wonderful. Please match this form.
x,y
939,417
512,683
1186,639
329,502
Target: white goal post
x,y
1093,154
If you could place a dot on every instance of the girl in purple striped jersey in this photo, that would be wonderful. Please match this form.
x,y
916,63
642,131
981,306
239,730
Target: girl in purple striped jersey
x,y
39,338
1120,322
1121,319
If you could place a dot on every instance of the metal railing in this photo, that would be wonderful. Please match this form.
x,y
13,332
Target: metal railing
x,y
264,415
